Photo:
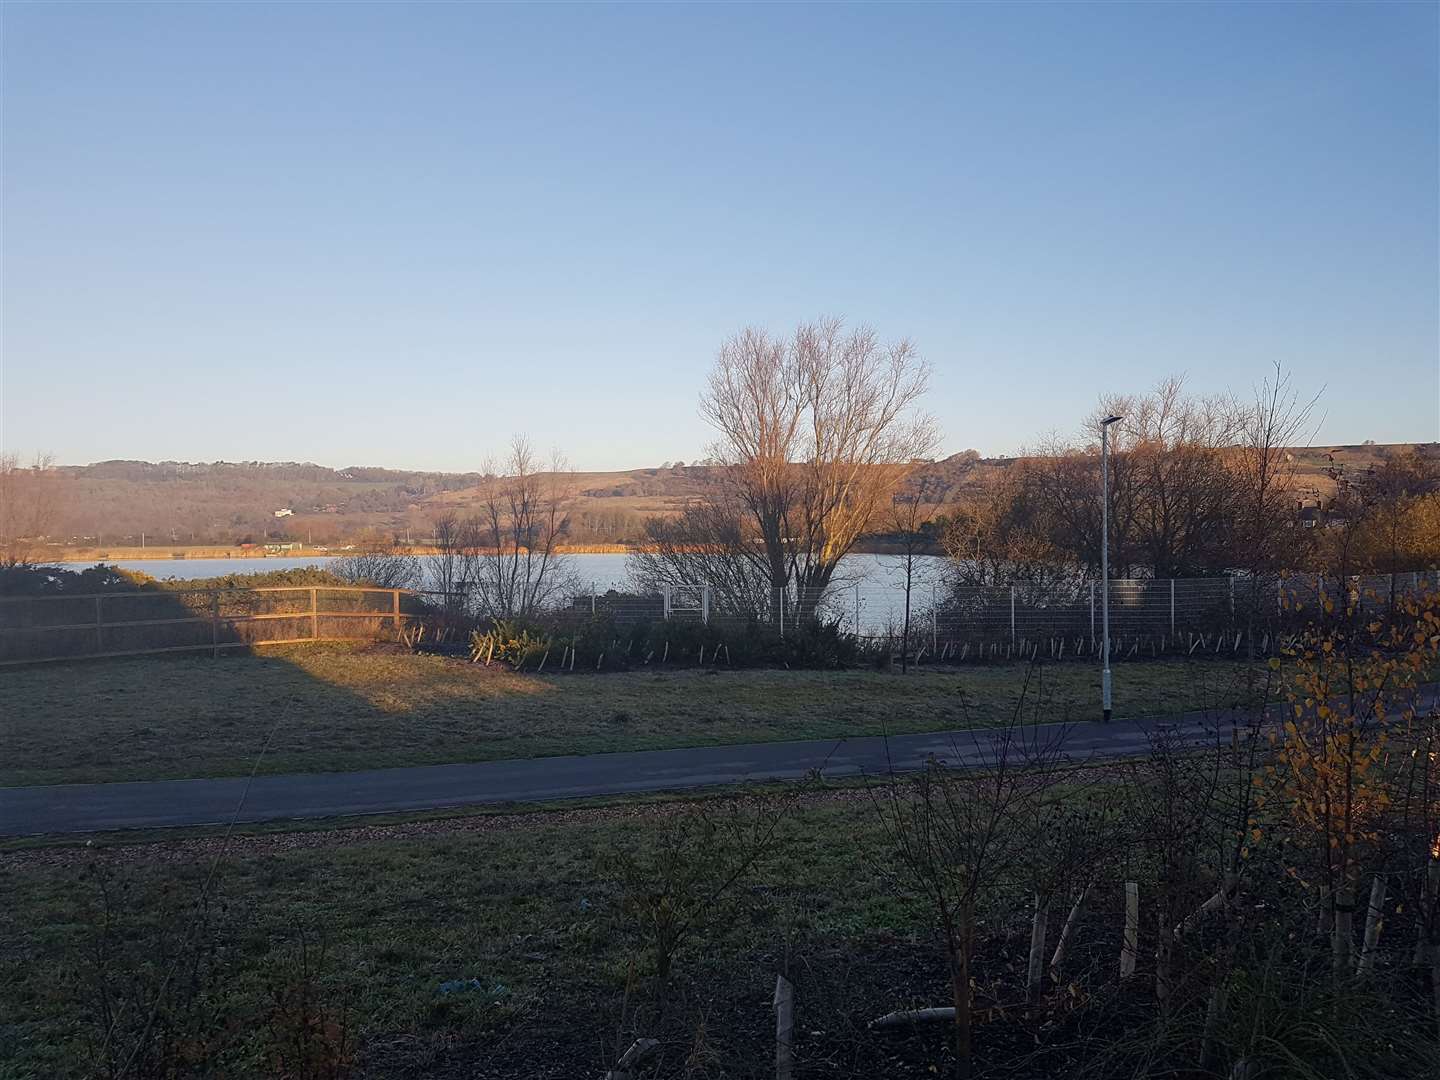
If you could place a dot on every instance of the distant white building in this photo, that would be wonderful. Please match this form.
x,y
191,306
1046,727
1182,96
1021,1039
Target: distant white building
x,y
287,512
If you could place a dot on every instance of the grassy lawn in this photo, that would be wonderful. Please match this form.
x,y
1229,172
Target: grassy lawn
x,y
506,946
525,905
527,911
337,707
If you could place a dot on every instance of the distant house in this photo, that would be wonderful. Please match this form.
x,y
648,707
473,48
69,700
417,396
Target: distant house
x,y
287,512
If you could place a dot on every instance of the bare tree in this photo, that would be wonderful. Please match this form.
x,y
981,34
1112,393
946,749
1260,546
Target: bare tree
x,y
451,570
521,521
1175,447
1264,468
957,834
29,505
1386,502
707,544
904,521
1171,490
816,431
1000,536
381,566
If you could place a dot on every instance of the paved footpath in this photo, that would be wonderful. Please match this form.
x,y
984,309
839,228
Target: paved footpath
x,y
68,808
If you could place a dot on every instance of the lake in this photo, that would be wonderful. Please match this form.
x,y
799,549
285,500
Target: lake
x,y
876,580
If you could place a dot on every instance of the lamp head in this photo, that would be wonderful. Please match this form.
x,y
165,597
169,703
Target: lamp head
x,y
1111,420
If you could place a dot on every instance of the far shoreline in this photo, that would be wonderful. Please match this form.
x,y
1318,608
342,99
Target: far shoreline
x,y
186,552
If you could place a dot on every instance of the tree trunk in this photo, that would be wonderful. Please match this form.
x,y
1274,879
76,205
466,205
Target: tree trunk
x,y
960,991
1341,942
1038,926
1214,1015
1130,943
1435,982
905,641
1374,921
784,1028
1164,959
1429,889
1066,931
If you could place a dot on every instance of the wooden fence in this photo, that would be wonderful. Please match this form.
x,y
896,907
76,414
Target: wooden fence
x,y
35,629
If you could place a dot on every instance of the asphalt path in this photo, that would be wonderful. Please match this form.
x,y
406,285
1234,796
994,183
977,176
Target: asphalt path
x,y
72,808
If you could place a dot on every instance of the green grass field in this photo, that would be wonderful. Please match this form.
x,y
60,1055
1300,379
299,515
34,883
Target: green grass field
x,y
338,707
526,905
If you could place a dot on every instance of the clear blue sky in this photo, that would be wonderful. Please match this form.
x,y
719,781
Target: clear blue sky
x,y
396,234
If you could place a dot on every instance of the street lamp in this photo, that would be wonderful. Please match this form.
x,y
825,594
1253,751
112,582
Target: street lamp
x,y
1105,560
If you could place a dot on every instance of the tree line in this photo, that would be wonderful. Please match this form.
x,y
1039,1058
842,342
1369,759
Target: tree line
x,y
821,442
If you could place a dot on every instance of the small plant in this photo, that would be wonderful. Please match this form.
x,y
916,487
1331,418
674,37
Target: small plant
x,y
684,882
309,1037
151,984
508,641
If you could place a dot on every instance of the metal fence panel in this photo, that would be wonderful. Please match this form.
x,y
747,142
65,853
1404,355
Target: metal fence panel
x,y
42,628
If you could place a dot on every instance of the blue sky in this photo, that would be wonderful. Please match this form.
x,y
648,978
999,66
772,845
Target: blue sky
x,y
397,234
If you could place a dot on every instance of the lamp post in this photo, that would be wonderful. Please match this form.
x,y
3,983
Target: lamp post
x,y
1105,561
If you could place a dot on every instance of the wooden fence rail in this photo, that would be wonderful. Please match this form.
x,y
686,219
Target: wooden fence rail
x,y
37,629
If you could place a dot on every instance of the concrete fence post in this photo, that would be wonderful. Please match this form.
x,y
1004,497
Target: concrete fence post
x,y
1092,611
1232,594
1172,607
314,615
857,609
1012,614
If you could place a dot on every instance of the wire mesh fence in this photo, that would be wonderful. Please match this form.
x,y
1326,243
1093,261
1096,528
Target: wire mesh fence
x,y
1146,615
39,628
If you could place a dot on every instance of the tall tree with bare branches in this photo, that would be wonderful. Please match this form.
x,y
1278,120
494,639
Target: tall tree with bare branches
x,y
707,542
816,430
905,521
29,505
523,516
1264,470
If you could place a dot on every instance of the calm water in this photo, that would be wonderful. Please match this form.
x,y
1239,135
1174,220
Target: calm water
x,y
875,580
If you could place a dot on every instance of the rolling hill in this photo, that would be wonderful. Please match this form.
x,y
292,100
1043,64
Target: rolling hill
x,y
226,502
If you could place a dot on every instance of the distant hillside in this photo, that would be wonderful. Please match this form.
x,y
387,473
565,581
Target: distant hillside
x,y
224,502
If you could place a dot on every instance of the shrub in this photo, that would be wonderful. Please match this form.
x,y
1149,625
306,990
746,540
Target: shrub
x,y
510,641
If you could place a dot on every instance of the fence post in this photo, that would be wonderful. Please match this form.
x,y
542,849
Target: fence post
x,y
1012,615
705,605
780,605
857,609
592,598
99,627
395,608
215,625
1172,607
1232,594
314,616
1092,611
665,595
934,625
